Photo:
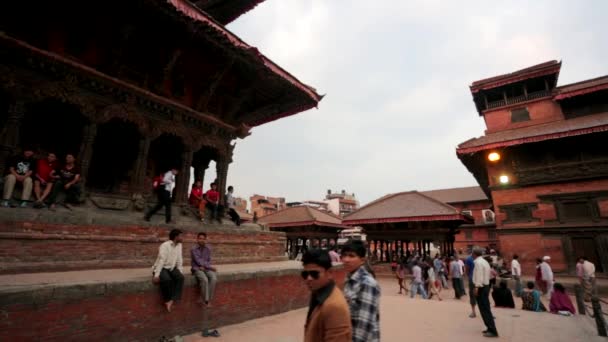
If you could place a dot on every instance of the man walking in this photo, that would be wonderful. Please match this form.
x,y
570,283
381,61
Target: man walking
x,y
164,195
516,273
362,294
470,266
328,317
481,280
168,269
440,271
456,274
586,273
230,204
547,275
417,282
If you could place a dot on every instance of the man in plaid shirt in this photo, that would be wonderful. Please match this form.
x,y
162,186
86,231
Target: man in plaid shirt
x,y
362,294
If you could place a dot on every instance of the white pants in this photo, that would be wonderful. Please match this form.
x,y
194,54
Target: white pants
x,y
9,185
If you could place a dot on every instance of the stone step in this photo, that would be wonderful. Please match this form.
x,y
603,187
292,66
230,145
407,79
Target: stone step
x,y
65,241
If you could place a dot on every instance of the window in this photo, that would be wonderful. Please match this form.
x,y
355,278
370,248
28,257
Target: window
x,y
468,234
491,235
520,115
520,212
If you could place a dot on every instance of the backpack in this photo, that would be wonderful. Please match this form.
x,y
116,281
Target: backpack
x,y
157,182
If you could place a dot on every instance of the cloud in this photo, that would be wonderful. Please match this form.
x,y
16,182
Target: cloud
x,y
396,74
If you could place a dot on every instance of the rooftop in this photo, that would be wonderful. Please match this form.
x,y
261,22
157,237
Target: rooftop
x,y
458,195
301,216
542,69
581,88
404,207
226,11
552,130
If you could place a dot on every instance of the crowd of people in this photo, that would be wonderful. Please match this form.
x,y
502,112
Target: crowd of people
x,y
487,276
51,181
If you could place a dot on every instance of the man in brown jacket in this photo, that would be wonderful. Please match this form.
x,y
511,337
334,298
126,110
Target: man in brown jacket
x,y
328,318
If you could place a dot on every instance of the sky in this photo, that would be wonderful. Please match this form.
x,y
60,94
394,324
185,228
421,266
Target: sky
x,y
396,77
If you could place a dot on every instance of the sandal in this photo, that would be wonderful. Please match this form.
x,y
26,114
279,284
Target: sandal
x,y
212,333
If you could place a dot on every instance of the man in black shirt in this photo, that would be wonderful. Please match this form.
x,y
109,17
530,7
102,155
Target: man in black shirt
x,y
21,168
68,183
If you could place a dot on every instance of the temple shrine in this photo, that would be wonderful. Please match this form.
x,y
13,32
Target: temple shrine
x,y
543,162
132,89
405,223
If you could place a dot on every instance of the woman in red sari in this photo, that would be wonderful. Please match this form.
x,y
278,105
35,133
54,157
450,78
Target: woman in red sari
x,y
560,302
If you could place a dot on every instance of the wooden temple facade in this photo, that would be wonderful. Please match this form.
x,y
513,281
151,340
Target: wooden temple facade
x,y
305,227
543,162
133,88
407,223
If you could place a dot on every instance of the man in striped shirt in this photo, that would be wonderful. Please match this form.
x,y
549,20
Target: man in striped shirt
x,y
362,294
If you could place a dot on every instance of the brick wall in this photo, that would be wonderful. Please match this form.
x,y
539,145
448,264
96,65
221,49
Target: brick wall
x,y
44,247
545,211
479,237
133,311
540,112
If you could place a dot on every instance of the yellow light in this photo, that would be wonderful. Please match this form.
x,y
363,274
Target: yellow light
x,y
494,156
504,179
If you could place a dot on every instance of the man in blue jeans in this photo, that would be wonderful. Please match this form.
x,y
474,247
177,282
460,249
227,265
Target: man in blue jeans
x,y
417,283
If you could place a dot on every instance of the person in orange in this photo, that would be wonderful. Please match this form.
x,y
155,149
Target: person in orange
x,y
196,198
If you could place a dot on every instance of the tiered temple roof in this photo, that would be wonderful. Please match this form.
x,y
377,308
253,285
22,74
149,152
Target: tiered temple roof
x,y
226,11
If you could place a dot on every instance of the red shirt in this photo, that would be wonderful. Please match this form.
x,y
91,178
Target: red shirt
x,y
44,168
195,196
213,196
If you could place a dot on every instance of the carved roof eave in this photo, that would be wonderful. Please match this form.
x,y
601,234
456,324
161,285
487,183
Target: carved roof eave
x,y
236,8
202,24
141,96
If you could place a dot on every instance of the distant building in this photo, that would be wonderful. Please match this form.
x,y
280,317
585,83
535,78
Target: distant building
x,y
341,204
264,205
319,205
473,202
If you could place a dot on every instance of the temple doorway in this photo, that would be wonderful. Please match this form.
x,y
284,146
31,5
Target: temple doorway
x,y
165,153
4,107
114,154
53,126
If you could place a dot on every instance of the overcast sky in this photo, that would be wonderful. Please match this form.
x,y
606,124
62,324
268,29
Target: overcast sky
x,y
396,75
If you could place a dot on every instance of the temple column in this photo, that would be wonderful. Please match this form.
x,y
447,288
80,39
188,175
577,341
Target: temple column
x,y
183,179
221,167
9,139
86,150
140,165
199,172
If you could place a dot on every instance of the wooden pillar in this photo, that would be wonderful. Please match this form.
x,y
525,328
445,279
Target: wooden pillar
x,y
420,247
140,165
86,150
221,167
9,137
407,248
183,178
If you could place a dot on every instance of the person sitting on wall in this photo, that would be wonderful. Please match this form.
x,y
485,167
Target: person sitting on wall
x,y
213,203
21,169
196,198
44,178
230,204
67,184
168,270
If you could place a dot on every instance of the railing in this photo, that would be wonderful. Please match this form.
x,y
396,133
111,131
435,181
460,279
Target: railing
x,y
518,99
594,310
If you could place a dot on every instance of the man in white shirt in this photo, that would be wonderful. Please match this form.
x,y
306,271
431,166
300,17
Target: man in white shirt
x,y
231,205
586,273
163,194
547,275
417,283
481,280
168,268
516,273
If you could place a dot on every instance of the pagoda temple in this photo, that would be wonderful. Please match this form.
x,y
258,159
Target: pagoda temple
x,y
543,162
133,88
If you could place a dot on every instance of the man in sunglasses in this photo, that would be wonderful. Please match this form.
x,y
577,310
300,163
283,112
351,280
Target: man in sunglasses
x,y
362,294
328,319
